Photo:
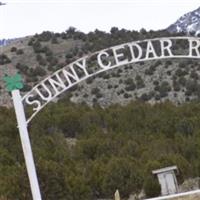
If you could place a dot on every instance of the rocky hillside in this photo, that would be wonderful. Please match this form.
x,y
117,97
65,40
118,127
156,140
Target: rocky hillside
x,y
38,56
188,23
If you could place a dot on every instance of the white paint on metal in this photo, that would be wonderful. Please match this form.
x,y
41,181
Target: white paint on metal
x,y
26,145
176,195
67,77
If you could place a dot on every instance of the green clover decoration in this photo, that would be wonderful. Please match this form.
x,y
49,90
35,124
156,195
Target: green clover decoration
x,y
13,82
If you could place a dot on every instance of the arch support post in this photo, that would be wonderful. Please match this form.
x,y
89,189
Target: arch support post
x,y
13,85
26,145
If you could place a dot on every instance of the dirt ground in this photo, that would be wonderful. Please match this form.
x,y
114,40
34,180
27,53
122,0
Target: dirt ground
x,y
190,197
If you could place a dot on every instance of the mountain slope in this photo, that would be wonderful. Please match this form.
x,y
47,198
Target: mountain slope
x,y
188,23
36,57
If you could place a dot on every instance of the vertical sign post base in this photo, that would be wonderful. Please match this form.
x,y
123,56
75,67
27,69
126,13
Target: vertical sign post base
x,y
26,145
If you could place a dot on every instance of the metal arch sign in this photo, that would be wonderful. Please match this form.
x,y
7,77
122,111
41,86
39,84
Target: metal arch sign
x,y
83,68
106,59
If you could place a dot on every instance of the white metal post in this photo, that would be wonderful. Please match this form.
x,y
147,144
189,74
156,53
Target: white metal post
x,y
26,145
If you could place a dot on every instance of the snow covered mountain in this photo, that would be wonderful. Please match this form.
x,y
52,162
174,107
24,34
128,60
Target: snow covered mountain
x,y
188,23
4,42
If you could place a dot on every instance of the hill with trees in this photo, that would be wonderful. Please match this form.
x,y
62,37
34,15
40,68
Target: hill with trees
x,y
38,56
111,137
88,153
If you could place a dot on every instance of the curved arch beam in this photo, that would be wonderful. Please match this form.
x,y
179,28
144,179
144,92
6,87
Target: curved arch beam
x,y
100,61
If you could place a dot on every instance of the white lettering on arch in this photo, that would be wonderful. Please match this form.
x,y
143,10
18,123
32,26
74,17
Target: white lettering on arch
x,y
106,59
194,47
166,45
150,51
41,89
56,84
100,60
119,57
133,54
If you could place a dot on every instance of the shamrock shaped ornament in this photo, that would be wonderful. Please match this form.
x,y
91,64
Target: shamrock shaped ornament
x,y
13,82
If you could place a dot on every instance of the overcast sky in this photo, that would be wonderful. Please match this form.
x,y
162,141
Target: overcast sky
x,y
26,17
